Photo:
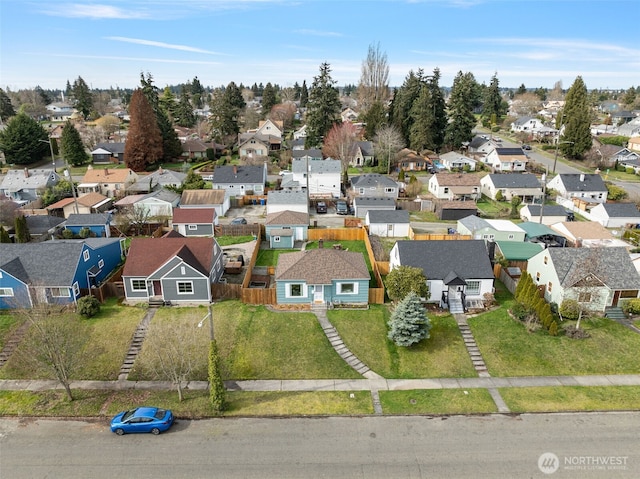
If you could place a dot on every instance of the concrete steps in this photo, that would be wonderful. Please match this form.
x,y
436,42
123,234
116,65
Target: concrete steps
x,y
13,342
472,348
136,345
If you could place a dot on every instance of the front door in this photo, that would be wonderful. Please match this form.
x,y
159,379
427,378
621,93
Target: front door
x,y
318,293
157,288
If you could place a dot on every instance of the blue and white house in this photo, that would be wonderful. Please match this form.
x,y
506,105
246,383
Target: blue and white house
x,y
284,228
55,272
322,275
97,223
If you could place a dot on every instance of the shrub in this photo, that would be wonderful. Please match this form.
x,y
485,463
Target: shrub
x,y
521,312
632,306
570,309
88,306
553,329
499,196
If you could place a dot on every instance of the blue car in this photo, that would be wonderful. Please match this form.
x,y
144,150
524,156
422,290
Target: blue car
x,y
143,419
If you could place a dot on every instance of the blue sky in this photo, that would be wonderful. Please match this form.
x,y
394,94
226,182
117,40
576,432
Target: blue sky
x,y
110,42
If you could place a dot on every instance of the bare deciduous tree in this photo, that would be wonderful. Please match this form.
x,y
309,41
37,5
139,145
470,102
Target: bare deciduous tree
x,y
341,143
526,104
389,142
374,78
283,112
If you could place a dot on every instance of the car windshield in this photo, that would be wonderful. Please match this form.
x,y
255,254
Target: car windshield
x,y
128,414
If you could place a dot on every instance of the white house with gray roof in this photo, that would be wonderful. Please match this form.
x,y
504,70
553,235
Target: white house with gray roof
x,y
321,176
492,230
283,200
24,186
458,272
457,161
551,214
388,223
589,187
374,184
363,204
523,185
240,180
595,277
616,215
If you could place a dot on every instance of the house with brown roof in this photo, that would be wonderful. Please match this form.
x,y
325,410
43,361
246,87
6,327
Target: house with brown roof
x,y
316,276
90,203
587,234
455,186
194,221
215,199
284,228
172,269
110,182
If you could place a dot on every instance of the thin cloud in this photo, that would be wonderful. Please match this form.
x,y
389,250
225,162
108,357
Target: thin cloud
x,y
559,44
318,33
96,11
134,59
152,43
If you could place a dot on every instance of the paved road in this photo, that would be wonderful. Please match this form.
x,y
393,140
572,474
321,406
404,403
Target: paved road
x,y
370,447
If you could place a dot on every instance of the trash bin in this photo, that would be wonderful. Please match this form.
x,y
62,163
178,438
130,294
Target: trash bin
x,y
262,201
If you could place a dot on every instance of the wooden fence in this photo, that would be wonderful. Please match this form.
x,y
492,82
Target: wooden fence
x,y
337,234
437,237
237,230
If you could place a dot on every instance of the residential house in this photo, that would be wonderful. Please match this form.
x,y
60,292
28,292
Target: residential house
x,y
106,153
161,178
284,228
216,199
595,277
627,158
507,159
492,230
110,182
525,186
24,186
43,227
363,154
312,154
481,146
363,204
348,115
194,221
322,276
526,124
322,177
517,254
455,186
297,144
616,215
588,187
91,203
55,272
300,133
459,273
551,214
59,111
98,224
541,233
634,143
454,161
455,210
286,200
409,160
261,141
587,234
391,223
195,149
240,180
172,269
374,185
158,205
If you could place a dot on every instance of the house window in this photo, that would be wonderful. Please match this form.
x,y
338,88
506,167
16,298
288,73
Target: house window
x,y
185,287
192,227
511,236
446,189
182,270
538,276
347,288
85,255
389,190
101,263
6,292
76,289
138,285
361,191
295,290
549,286
59,292
584,297
545,260
473,287
276,239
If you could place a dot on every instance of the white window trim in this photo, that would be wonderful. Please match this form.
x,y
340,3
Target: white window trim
x,y
76,289
132,282
303,290
190,283
101,263
86,255
473,291
355,288
6,292
60,290
192,227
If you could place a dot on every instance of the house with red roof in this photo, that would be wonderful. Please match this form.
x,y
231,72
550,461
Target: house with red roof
x,y
194,221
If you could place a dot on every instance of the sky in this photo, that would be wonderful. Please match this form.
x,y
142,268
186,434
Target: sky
x,y
109,43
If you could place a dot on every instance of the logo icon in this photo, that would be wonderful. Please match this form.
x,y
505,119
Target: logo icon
x,y
548,463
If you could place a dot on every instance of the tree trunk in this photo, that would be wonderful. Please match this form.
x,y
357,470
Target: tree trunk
x,y
579,318
67,389
180,396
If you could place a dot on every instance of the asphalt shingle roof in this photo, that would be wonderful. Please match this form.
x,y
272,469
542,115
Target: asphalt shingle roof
x,y
388,216
515,180
239,174
286,217
369,180
146,255
88,219
321,266
573,182
621,210
374,201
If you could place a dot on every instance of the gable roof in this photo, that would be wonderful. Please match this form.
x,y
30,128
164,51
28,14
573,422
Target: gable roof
x,y
612,265
286,197
511,154
457,179
586,230
385,201
372,180
194,215
519,251
515,180
316,166
88,200
163,194
549,210
202,197
41,224
321,266
312,152
582,182
621,210
366,147
239,174
287,217
114,148
388,216
146,255
107,175
88,219
16,180
437,259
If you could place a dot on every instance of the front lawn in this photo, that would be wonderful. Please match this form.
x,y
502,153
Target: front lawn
x,y
437,401
365,334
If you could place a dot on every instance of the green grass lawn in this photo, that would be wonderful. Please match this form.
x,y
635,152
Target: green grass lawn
x,y
269,257
571,398
365,334
509,350
8,323
229,240
492,208
437,401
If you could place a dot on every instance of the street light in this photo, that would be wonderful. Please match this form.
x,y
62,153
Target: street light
x,y
53,158
210,316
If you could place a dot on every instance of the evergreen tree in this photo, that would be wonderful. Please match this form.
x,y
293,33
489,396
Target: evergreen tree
x,y
167,102
438,108
374,118
521,90
184,112
6,108
144,141
20,140
72,148
492,106
197,93
4,235
83,97
226,106
323,109
421,120
403,100
304,94
21,230
460,128
297,90
268,99
409,323
171,146
577,121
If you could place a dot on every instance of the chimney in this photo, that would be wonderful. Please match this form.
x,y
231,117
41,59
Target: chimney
x,y
235,170
320,243
26,172
581,177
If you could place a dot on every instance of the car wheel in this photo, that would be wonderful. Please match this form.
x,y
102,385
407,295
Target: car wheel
x,y
120,432
155,431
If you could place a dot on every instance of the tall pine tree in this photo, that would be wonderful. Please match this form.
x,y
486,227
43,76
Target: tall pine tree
x,y
171,146
144,141
268,99
461,104
323,109
576,118
71,145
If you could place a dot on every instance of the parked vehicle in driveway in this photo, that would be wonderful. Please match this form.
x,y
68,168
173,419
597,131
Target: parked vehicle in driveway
x,y
342,208
321,207
526,147
142,419
238,221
